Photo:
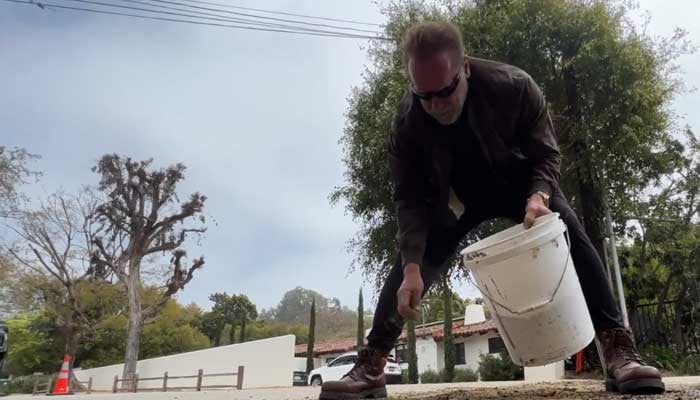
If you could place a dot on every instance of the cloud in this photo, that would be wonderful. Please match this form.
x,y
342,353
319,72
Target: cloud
x,y
256,117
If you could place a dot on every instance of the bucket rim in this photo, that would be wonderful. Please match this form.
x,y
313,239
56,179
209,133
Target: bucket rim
x,y
539,222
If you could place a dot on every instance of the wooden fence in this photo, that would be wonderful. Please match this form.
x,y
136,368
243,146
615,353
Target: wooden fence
x,y
42,387
133,383
75,386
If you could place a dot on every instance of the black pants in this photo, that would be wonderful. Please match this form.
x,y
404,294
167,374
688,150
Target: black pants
x,y
442,244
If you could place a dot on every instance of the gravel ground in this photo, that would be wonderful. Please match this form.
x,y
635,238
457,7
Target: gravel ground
x,y
678,388
565,390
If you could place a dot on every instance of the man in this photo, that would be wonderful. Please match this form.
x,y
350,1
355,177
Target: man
x,y
475,136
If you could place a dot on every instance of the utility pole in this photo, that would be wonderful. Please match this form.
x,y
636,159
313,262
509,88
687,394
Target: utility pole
x,y
616,267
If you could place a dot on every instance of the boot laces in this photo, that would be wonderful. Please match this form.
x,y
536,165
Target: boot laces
x,y
625,347
366,357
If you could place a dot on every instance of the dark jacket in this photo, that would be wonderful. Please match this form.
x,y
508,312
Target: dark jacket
x,y
508,115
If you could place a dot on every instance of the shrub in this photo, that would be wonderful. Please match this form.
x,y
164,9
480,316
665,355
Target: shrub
x,y
669,360
499,368
23,384
465,375
430,376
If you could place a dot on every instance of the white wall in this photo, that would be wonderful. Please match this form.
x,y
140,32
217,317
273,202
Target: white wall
x,y
546,373
474,346
267,363
300,363
426,351
473,314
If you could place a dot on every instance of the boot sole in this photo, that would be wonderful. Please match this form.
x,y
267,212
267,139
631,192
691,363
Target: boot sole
x,y
376,393
636,386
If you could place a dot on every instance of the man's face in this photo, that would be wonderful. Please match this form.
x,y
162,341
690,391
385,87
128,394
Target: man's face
x,y
434,74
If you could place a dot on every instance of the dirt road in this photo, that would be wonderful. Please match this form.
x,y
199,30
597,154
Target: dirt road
x,y
679,388
565,390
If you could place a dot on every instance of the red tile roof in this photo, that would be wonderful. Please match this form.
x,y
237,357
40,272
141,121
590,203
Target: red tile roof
x,y
436,331
458,330
327,347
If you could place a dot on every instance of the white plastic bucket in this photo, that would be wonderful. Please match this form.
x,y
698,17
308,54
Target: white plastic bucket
x,y
529,283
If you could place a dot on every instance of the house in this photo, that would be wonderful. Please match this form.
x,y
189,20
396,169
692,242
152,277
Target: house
x,y
473,335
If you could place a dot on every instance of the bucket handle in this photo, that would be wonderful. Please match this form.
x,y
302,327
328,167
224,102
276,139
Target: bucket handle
x,y
542,303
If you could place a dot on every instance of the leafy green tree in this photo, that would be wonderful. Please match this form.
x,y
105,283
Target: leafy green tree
x,y
171,332
30,350
412,355
264,329
662,263
212,325
310,344
246,312
334,321
449,342
236,310
433,305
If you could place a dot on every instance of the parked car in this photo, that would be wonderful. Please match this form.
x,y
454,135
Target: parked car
x,y
342,364
3,343
299,378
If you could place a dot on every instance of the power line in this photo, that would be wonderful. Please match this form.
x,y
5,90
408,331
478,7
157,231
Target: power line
x,y
286,13
196,14
263,17
241,20
44,4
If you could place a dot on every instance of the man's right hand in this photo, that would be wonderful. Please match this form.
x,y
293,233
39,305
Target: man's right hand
x,y
410,292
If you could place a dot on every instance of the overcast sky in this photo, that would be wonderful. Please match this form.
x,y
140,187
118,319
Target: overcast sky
x,y
255,116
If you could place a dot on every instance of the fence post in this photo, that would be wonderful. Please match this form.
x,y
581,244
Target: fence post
x,y
239,376
136,383
89,385
116,382
200,374
165,381
49,387
36,383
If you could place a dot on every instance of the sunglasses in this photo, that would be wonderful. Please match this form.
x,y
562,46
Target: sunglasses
x,y
442,93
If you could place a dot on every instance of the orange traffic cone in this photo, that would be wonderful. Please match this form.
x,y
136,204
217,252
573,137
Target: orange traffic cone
x,y
62,385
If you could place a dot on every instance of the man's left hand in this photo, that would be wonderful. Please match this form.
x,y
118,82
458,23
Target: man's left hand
x,y
535,208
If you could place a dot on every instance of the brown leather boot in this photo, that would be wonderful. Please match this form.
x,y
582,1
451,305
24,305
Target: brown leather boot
x,y
626,372
364,381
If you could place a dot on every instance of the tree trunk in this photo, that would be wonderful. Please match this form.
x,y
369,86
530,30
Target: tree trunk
x,y
360,322
677,330
72,341
659,320
591,206
232,334
590,199
242,335
135,328
450,356
412,356
219,333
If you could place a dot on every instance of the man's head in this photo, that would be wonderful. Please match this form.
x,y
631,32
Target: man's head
x,y
438,69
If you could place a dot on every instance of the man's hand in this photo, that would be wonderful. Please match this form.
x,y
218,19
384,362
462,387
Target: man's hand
x,y
535,208
410,292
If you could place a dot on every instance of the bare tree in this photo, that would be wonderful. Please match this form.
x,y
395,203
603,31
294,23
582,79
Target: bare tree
x,y
141,218
13,173
54,242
